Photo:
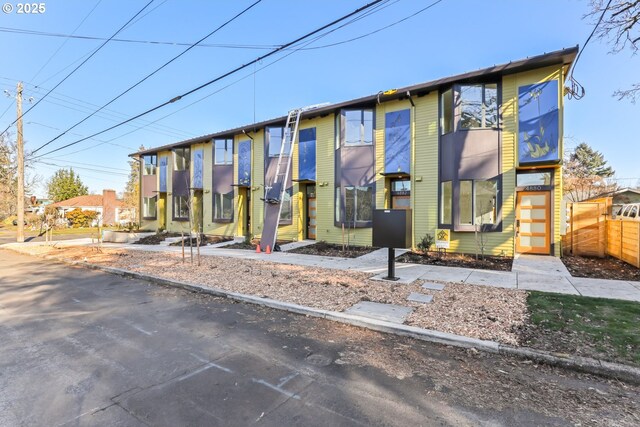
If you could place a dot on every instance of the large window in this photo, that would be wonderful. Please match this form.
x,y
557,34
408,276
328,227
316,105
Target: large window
x,y
358,204
150,164
223,206
181,207
446,111
286,213
223,154
478,202
479,106
358,127
149,207
446,197
275,141
465,203
181,159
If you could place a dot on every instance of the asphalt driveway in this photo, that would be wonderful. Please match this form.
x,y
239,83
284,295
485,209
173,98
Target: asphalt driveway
x,y
81,347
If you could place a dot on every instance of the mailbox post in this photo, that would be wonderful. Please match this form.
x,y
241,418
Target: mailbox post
x,y
392,229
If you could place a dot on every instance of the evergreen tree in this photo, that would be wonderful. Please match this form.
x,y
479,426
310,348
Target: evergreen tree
x,y
65,184
585,174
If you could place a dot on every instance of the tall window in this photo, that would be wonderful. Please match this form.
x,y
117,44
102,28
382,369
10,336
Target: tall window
x,y
149,207
180,207
275,141
446,111
358,127
286,213
446,197
223,151
479,106
150,164
478,202
223,206
181,159
358,204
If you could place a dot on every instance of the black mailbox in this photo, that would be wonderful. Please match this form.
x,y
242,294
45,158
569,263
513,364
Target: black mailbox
x,y
392,228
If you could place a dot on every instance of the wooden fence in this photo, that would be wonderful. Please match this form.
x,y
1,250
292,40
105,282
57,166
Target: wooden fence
x,y
623,240
591,232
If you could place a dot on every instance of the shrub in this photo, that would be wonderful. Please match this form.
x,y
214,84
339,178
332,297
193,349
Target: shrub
x,y
424,245
80,218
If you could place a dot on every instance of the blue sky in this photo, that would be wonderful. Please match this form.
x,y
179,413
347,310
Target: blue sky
x,y
452,37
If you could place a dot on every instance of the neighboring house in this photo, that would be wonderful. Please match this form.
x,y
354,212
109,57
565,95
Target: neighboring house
x,y
476,151
622,197
111,210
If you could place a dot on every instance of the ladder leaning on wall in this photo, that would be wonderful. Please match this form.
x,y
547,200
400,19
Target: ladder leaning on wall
x,y
275,190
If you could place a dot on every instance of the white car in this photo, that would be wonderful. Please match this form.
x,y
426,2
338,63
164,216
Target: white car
x,y
630,211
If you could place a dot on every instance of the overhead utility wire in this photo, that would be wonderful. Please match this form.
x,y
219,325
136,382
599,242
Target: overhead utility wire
x,y
65,41
576,91
217,79
290,52
149,75
80,65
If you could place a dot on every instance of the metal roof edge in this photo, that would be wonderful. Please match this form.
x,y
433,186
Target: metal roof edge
x,y
564,56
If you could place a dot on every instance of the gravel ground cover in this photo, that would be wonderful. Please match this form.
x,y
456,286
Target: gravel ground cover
x,y
474,311
458,260
601,268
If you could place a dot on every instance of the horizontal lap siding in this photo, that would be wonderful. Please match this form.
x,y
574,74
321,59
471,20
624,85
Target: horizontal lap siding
x,y
424,173
325,203
257,183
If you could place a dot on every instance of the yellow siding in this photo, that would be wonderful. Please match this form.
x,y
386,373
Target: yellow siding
x,y
325,160
257,183
424,172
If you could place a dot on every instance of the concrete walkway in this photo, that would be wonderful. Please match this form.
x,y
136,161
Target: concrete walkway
x,y
539,273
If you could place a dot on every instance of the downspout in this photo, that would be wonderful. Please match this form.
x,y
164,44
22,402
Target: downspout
x,y
412,170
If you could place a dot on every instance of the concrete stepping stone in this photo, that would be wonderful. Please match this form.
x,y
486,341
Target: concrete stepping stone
x,y
374,310
433,286
416,297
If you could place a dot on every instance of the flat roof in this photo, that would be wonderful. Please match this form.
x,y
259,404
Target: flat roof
x,y
564,56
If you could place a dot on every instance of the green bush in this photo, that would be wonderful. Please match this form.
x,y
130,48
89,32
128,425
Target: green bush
x,y
80,218
424,245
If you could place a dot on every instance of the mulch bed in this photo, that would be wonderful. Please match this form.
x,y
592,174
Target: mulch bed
x,y
458,260
204,240
252,245
329,249
601,268
155,239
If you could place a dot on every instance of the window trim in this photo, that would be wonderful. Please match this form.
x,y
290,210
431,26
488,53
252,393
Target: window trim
x,y
155,215
154,163
225,161
496,226
458,107
187,156
215,201
268,141
287,221
174,210
341,195
441,206
343,128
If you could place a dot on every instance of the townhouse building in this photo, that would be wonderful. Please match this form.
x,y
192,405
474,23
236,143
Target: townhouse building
x,y
479,152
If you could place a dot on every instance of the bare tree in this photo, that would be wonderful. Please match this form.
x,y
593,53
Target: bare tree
x,y
618,24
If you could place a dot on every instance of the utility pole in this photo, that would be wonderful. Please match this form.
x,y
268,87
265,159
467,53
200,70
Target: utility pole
x,y
20,143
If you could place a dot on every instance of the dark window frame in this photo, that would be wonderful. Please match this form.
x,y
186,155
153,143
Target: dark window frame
x,y
269,140
155,215
223,220
153,163
186,154
229,149
174,210
343,127
458,103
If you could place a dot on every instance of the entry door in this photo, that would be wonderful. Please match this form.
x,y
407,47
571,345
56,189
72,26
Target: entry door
x,y
311,223
533,222
162,211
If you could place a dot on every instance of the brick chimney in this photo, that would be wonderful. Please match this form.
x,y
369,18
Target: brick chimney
x,y
108,206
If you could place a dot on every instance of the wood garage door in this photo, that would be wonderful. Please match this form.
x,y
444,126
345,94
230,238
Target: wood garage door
x,y
533,222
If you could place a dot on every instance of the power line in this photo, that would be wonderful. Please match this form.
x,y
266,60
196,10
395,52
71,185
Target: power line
x,y
80,65
227,74
150,74
65,41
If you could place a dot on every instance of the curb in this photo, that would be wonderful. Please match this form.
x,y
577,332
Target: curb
x,y
587,365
